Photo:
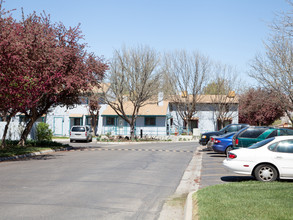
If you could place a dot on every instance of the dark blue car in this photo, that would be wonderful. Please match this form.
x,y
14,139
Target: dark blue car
x,y
223,143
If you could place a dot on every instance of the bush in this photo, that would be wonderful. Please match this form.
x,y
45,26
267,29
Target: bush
x,y
43,132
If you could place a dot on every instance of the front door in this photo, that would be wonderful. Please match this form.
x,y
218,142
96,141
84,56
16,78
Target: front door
x,y
120,126
58,126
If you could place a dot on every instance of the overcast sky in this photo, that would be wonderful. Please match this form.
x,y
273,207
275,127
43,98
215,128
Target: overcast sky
x,y
228,31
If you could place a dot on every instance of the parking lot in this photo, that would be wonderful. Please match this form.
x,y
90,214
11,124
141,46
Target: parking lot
x,y
213,172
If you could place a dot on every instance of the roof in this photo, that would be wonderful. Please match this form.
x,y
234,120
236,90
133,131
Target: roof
x,y
147,110
75,115
103,87
210,99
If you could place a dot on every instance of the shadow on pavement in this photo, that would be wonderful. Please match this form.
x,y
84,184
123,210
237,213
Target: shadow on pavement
x,y
237,178
37,157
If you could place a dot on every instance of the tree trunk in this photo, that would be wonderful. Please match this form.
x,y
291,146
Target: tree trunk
x,y
26,131
94,124
132,131
3,143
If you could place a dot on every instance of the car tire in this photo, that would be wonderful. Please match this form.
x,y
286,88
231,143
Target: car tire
x,y
229,148
266,173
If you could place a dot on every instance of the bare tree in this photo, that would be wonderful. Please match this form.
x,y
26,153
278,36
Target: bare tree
x,y
222,90
274,69
134,78
187,73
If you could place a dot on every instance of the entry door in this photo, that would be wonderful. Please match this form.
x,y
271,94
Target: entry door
x,y
120,126
58,126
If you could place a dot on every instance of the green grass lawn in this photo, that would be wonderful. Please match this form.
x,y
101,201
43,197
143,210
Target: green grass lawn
x,y
249,200
13,149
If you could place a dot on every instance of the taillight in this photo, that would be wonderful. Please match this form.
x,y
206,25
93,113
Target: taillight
x,y
212,139
236,141
231,155
217,141
85,133
70,133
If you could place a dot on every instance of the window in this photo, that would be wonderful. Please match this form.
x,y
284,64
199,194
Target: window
x,y
285,147
150,121
261,143
110,121
285,132
232,128
78,129
192,124
77,121
273,134
223,124
88,120
253,133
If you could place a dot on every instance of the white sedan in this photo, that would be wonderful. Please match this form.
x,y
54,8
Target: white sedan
x,y
266,160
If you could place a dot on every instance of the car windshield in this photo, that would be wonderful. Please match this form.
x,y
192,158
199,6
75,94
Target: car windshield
x,y
261,143
224,129
78,129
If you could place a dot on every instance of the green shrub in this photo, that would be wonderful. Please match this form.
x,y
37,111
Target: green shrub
x,y
43,132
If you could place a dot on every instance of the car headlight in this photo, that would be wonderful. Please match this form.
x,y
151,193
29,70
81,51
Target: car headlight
x,y
204,136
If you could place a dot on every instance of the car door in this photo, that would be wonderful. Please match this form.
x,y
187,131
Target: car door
x,y
283,158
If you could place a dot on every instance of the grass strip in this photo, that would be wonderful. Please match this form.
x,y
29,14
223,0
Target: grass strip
x,y
13,149
245,200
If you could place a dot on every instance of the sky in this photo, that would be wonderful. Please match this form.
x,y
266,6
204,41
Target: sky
x,y
231,32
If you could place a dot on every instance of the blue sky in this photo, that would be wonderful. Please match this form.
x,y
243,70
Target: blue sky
x,y
228,31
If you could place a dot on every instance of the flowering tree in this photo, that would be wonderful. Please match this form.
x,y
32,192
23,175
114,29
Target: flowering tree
x,y
259,107
43,65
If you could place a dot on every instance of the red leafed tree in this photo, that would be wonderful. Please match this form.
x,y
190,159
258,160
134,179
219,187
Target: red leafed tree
x,y
259,107
49,67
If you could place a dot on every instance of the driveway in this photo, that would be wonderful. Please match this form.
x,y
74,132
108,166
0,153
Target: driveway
x,y
103,182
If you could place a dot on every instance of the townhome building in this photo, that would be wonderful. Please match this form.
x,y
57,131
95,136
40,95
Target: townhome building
x,y
156,119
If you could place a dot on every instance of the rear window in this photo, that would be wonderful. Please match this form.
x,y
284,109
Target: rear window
x,y
228,135
253,133
78,129
273,134
284,132
261,143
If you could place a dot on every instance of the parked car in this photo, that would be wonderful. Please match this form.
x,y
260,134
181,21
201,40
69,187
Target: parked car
x,y
80,133
267,160
253,134
223,143
205,137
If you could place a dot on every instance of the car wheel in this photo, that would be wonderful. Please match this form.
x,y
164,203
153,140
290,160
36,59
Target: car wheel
x,y
266,173
229,148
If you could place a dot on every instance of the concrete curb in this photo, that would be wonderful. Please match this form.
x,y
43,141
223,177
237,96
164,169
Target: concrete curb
x,y
139,142
197,162
146,142
188,209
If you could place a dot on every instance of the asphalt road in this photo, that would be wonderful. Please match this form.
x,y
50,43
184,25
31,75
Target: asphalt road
x,y
102,182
